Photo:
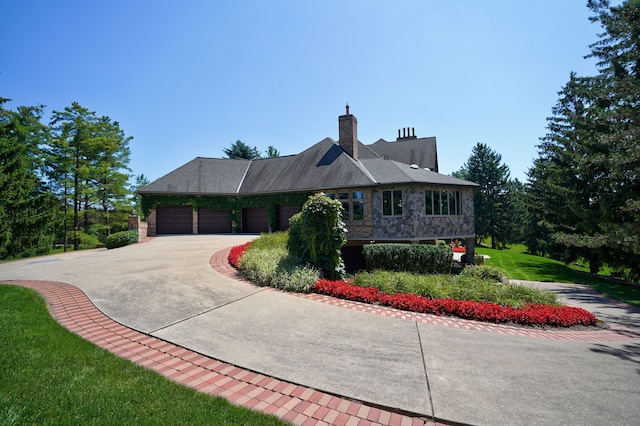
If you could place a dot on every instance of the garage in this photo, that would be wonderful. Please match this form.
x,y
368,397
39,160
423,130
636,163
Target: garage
x,y
255,221
214,221
284,213
174,220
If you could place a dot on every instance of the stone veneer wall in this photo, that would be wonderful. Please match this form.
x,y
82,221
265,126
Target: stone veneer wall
x,y
360,229
415,225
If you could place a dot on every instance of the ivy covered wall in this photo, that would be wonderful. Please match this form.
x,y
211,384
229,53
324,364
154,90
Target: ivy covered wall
x,y
235,204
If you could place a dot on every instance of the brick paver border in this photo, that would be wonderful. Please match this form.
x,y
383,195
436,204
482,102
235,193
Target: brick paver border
x,y
298,405
614,333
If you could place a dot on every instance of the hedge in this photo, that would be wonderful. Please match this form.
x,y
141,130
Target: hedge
x,y
120,239
417,258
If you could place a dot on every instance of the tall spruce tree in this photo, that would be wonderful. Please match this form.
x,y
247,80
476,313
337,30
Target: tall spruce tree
x,y
584,190
618,55
492,201
567,192
240,150
26,213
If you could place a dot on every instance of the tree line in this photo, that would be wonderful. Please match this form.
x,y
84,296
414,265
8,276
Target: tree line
x,y
65,182
582,195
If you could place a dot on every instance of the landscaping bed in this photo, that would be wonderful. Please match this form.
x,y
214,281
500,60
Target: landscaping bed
x,y
524,311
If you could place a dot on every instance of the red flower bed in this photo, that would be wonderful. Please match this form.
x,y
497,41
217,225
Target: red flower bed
x,y
559,316
459,249
236,254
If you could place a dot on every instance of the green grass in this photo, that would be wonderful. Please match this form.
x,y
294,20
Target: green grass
x,y
519,265
51,376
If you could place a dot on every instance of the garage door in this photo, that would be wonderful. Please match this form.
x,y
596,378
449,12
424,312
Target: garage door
x,y
212,221
174,220
284,213
255,221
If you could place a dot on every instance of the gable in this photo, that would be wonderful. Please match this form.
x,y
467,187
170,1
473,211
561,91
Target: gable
x,y
324,165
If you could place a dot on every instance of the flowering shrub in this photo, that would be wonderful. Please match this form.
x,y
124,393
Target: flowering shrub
x,y
532,314
236,254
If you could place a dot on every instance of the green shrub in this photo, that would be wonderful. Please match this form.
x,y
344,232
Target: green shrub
x,y
120,239
87,241
295,245
270,241
485,272
268,263
261,266
298,279
418,258
317,235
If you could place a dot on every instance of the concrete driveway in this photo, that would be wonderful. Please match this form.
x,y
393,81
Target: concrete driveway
x,y
461,371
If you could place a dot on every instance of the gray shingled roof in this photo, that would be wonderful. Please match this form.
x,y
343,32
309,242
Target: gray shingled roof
x,y
421,151
202,176
387,172
323,166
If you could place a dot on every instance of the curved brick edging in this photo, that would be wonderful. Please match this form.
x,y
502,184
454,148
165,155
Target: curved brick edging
x,y
615,333
296,404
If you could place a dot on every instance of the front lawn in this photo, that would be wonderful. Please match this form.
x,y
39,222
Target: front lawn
x,y
52,376
519,265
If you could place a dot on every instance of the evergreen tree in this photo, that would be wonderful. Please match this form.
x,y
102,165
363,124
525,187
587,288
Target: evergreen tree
x,y
26,214
272,152
240,150
618,56
568,183
492,201
584,188
516,192
88,157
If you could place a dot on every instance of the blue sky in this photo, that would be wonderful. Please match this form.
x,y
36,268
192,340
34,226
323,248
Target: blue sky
x,y
189,78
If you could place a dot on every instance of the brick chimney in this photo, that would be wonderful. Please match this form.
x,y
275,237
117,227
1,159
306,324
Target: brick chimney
x,y
348,134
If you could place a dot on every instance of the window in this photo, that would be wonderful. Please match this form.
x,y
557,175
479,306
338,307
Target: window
x,y
357,202
442,203
392,203
352,203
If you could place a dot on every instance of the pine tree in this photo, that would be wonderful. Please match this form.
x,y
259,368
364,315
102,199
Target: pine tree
x,y
240,150
618,56
88,158
26,214
491,202
586,182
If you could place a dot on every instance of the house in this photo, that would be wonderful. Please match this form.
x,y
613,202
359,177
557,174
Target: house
x,y
390,191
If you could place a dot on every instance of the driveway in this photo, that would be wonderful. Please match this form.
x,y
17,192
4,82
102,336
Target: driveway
x,y
455,370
